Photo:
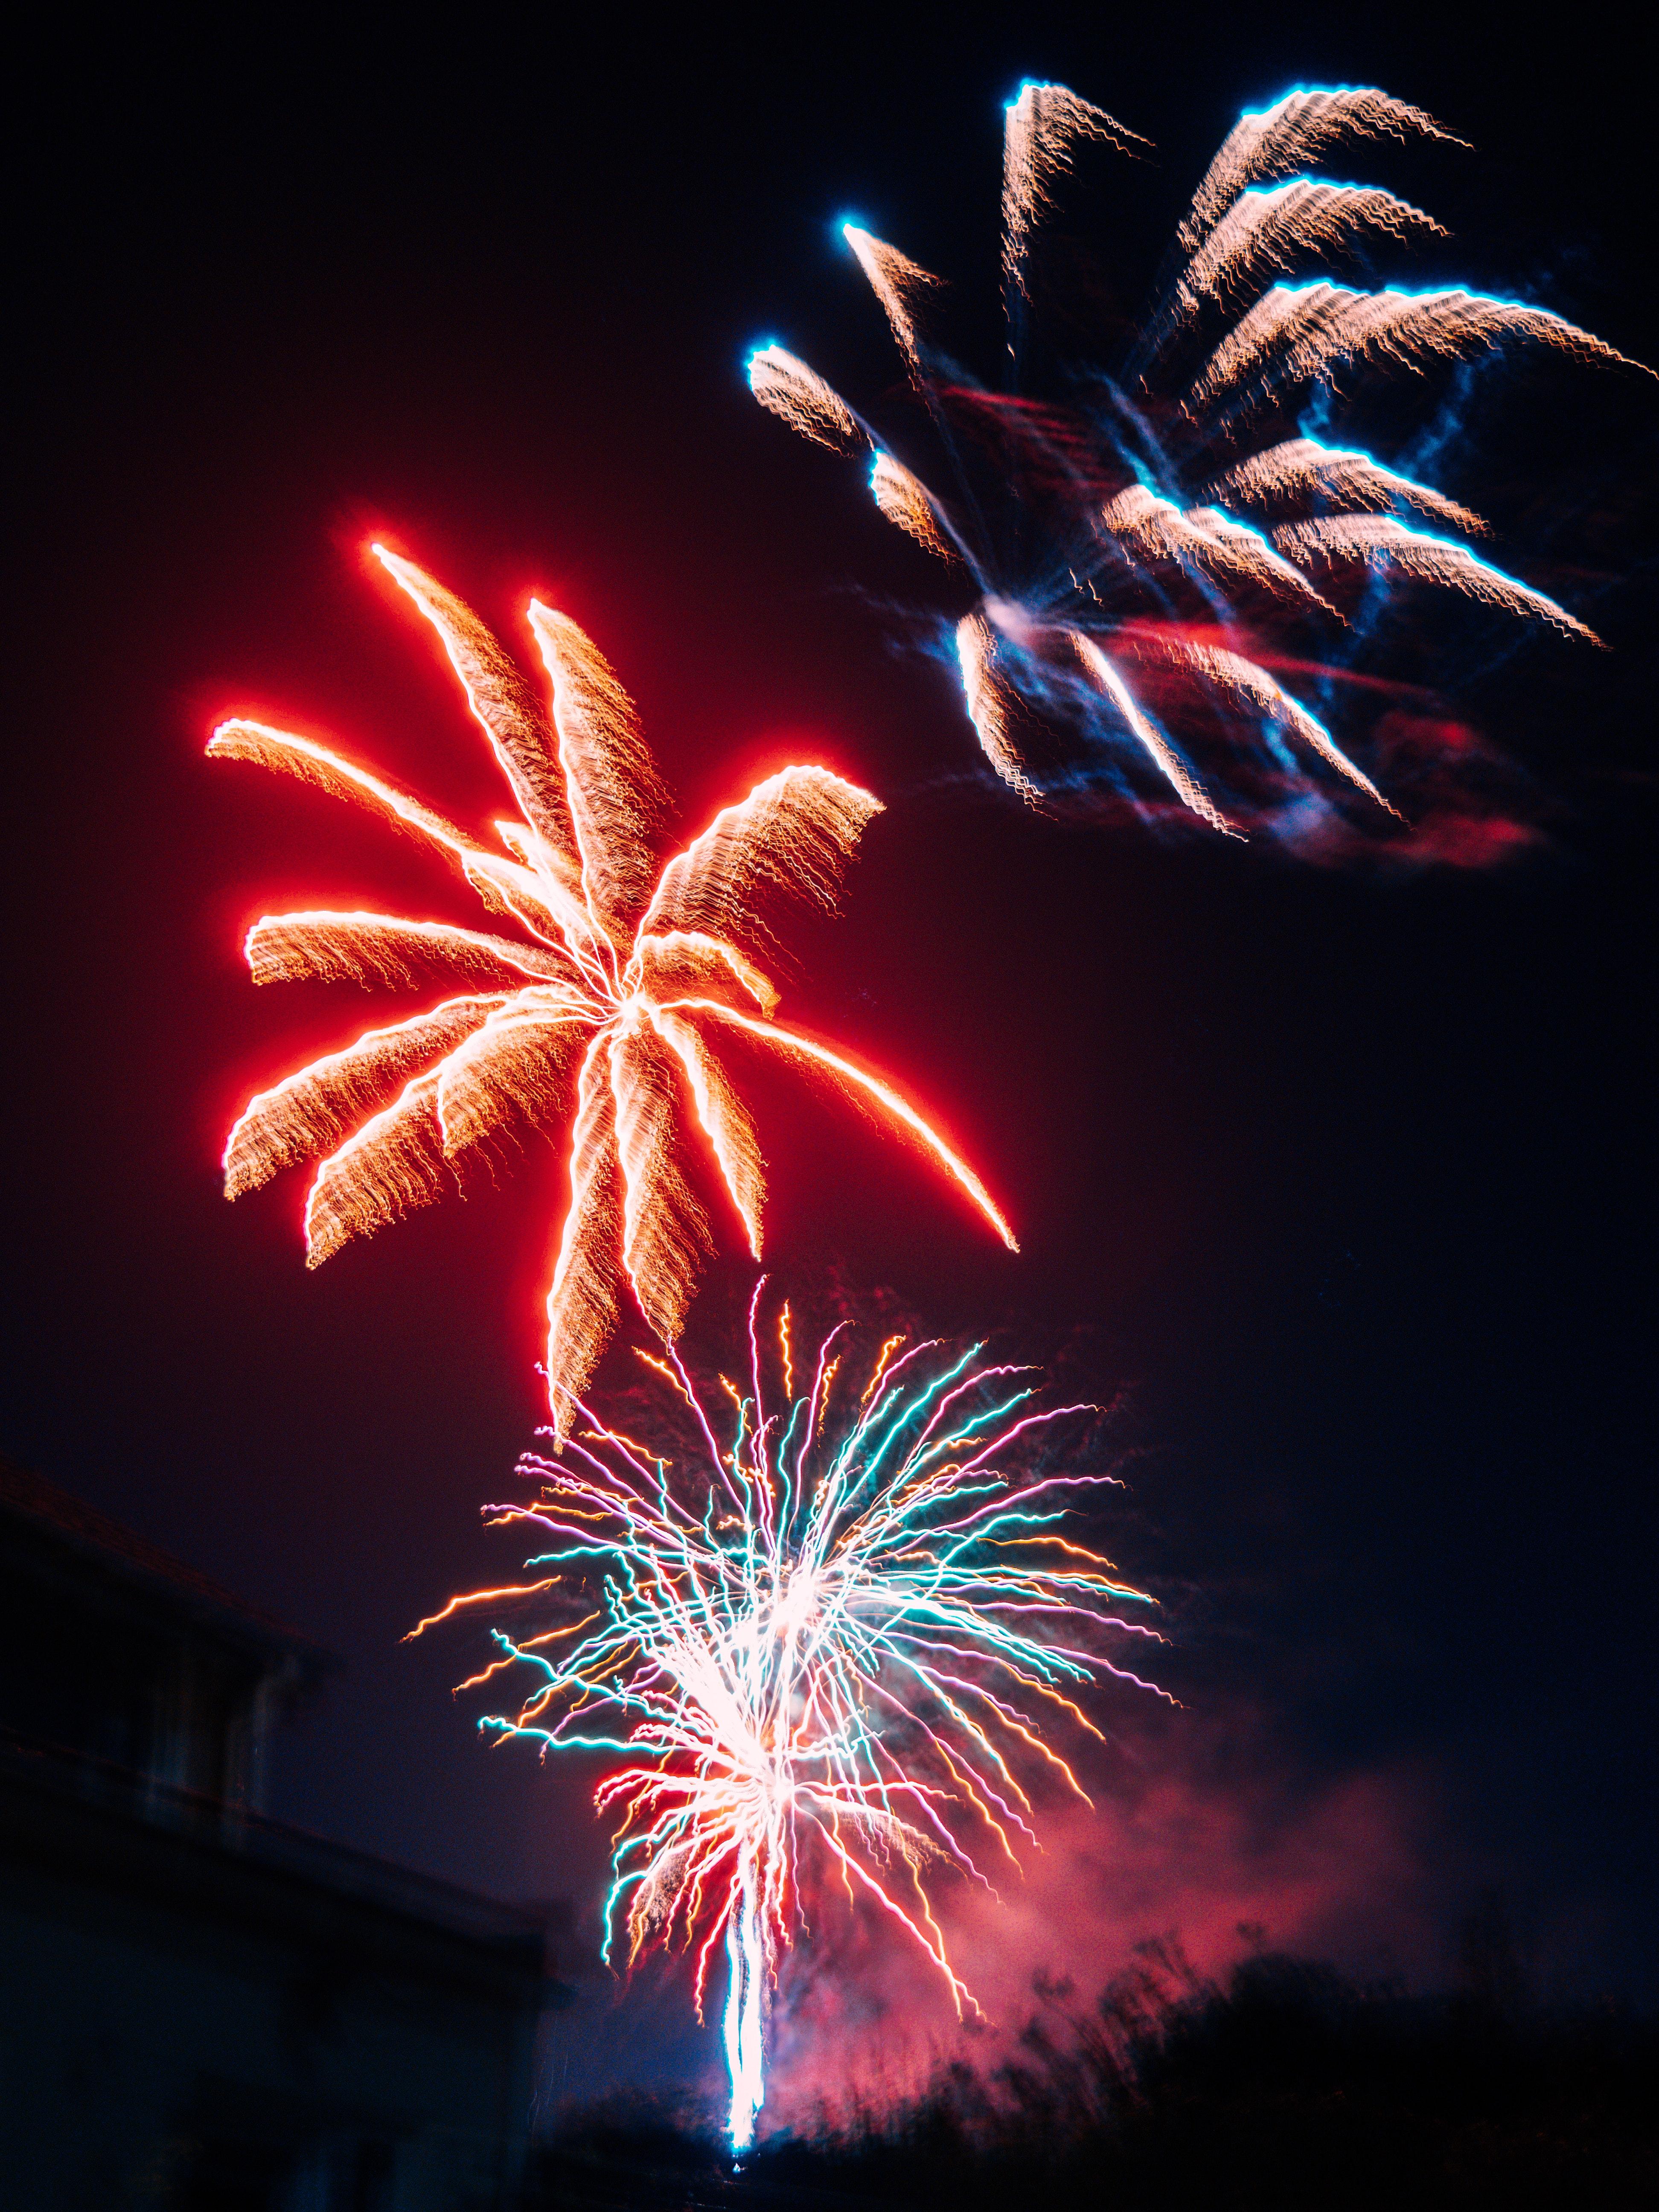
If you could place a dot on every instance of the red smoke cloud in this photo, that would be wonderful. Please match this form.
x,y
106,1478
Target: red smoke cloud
x,y
1187,1840
1465,804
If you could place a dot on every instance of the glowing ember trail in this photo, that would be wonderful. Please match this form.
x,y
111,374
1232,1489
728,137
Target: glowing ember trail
x,y
1146,551
606,1002
831,1631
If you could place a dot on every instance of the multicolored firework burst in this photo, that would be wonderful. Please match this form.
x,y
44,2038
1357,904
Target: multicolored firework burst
x,y
1152,556
830,1634
609,1002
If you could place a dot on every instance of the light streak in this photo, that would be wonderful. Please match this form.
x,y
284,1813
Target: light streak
x,y
1297,331
1042,124
1270,224
1230,673
1382,541
1164,492
859,1079
830,1650
1193,793
802,399
1339,477
904,501
1205,539
989,698
606,1011
897,281
1274,140
480,1597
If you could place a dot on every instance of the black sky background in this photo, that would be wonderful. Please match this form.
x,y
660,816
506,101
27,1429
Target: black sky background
x,y
1347,1178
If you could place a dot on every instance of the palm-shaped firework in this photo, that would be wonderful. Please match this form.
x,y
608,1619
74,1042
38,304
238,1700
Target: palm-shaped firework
x,y
621,974
834,1635
1147,554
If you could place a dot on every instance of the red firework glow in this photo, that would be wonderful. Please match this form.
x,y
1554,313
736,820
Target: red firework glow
x,y
624,974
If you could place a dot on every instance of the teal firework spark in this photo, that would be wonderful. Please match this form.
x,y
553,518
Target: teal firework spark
x,y
834,1643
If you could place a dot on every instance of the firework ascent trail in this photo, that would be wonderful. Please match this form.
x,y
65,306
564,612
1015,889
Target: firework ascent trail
x,y
1144,554
622,977
831,1635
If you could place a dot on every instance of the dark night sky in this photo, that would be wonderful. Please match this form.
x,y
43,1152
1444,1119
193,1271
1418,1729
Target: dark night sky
x,y
1347,1178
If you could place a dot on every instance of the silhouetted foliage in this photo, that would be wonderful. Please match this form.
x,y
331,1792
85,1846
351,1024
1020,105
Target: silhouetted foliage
x,y
1288,2085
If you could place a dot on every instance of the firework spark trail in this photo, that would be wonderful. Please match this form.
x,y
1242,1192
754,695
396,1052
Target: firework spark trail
x,y
800,397
1272,142
1044,124
830,1638
1298,331
607,1009
1268,228
1151,531
1382,541
1171,494
1339,479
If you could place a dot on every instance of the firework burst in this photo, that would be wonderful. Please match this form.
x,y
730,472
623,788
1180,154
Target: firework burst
x,y
1150,557
831,1635
605,1004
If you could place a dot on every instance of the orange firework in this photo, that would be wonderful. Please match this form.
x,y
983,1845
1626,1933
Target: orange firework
x,y
608,997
